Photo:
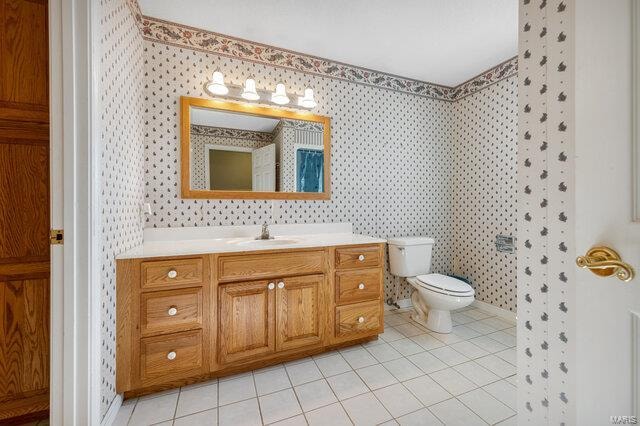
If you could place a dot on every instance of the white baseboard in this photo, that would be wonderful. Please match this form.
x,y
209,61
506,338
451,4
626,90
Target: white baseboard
x,y
499,312
112,413
487,307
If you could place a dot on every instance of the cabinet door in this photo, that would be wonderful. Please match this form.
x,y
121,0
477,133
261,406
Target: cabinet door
x,y
300,311
247,321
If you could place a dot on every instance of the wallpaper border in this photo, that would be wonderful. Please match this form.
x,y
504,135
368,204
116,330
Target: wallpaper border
x,y
184,36
200,129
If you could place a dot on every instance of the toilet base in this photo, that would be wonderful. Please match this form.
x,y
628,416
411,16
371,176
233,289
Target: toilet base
x,y
433,319
439,321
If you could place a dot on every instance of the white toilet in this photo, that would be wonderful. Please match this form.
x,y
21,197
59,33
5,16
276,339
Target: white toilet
x,y
435,295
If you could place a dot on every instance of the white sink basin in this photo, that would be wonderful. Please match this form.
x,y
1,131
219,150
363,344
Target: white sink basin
x,y
266,243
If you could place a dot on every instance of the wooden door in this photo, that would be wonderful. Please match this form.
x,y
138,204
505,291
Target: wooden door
x,y
247,323
300,312
24,209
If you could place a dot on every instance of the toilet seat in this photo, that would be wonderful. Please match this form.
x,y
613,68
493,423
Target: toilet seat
x,y
445,285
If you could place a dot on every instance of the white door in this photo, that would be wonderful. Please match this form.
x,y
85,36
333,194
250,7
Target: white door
x,y
264,168
606,308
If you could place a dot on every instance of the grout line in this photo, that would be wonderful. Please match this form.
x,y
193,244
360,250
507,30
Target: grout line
x,y
471,409
353,370
135,405
332,391
255,389
175,409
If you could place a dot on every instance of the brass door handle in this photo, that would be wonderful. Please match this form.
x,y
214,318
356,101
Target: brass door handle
x,y
605,262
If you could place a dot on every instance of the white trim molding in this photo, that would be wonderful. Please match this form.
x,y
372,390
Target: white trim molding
x,y
487,307
499,312
111,415
635,363
635,119
73,390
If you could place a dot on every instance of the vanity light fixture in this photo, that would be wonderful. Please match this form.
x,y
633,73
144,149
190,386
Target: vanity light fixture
x,y
217,86
307,100
249,91
280,95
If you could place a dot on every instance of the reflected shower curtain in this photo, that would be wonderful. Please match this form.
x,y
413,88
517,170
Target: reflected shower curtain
x,y
310,170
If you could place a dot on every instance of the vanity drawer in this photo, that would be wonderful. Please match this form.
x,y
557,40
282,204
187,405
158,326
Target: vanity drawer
x,y
267,265
358,257
358,285
157,274
163,357
171,310
359,318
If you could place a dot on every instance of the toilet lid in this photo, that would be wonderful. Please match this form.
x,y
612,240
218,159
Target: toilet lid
x,y
449,284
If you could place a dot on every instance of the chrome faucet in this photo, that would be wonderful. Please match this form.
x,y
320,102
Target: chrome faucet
x,y
265,233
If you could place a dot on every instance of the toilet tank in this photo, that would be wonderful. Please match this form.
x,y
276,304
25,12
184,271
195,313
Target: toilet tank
x,y
410,256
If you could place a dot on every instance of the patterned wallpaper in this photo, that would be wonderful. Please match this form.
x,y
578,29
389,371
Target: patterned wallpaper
x,y
392,154
394,144
545,212
122,162
486,142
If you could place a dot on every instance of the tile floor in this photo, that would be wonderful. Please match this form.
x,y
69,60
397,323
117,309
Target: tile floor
x,y
409,376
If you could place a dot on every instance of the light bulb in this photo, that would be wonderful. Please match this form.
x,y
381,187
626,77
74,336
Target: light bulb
x,y
280,95
249,91
307,100
217,86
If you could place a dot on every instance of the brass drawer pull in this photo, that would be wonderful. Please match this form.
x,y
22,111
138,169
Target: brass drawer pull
x,y
605,262
360,320
361,286
172,311
172,274
361,258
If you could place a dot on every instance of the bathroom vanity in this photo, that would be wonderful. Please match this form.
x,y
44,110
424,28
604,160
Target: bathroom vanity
x,y
191,309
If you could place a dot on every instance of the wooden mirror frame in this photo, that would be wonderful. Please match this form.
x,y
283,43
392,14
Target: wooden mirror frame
x,y
185,155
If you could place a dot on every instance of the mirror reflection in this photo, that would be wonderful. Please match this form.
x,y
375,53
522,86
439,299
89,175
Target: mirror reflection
x,y
234,151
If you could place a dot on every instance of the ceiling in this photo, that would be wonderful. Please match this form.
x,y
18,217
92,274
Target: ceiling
x,y
230,120
438,41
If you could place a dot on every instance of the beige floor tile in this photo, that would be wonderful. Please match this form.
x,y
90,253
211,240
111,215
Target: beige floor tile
x,y
278,406
331,415
398,400
365,409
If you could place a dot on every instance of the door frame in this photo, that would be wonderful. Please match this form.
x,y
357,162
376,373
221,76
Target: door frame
x,y
75,311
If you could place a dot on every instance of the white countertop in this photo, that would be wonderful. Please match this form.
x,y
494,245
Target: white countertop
x,y
186,241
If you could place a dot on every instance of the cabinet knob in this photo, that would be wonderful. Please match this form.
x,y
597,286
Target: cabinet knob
x,y
281,284
361,286
361,258
172,273
172,311
271,286
360,320
171,355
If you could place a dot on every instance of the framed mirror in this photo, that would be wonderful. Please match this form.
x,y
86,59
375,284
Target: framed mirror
x,y
232,150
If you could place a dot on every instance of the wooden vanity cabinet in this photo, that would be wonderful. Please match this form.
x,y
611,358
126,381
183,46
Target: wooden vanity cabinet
x,y
246,326
189,318
300,312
